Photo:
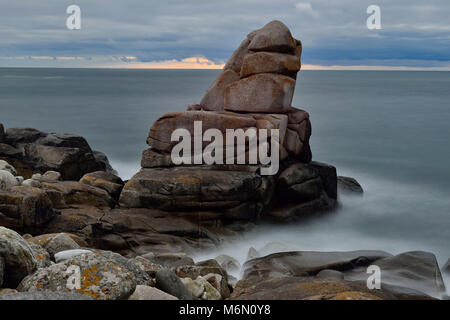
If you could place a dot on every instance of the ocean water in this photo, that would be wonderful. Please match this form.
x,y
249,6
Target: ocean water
x,y
389,130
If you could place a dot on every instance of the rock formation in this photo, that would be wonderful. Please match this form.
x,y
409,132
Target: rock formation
x,y
254,90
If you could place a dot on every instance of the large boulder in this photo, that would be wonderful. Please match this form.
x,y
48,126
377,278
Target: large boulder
x,y
101,275
7,180
169,282
31,151
104,180
65,193
195,188
270,62
160,133
7,167
416,270
264,92
25,208
214,96
274,36
18,257
306,263
150,293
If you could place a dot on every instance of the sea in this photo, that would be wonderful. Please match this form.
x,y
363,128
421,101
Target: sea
x,y
390,130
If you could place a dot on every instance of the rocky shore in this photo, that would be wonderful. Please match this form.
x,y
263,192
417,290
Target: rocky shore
x,y
70,228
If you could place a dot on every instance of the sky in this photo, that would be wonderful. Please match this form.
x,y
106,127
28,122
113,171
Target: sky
x,y
414,34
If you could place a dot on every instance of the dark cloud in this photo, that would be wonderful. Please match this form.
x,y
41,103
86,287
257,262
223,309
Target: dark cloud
x,y
331,30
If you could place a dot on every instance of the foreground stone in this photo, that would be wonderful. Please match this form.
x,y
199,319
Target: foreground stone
x,y
17,255
411,275
150,293
168,281
104,276
25,208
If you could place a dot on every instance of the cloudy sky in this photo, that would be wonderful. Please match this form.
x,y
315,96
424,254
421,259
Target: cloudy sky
x,y
182,33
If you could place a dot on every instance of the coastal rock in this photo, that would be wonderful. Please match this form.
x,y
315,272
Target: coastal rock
x,y
219,283
230,264
214,96
416,270
194,286
349,185
330,274
275,37
304,263
302,288
191,189
60,242
172,259
152,158
104,180
160,133
43,240
25,208
104,276
147,266
169,282
270,62
17,256
40,152
73,193
7,180
264,92
7,167
237,58
41,255
49,176
150,293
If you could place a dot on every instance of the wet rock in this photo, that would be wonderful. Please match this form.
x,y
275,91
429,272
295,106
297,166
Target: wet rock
x,y
230,264
150,293
194,286
416,270
349,185
304,263
330,274
18,257
219,283
172,259
169,282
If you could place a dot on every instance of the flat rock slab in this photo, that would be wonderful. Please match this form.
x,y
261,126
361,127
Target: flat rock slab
x,y
303,263
190,188
160,133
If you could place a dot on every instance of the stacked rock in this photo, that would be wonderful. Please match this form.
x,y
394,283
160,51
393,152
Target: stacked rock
x,y
254,91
